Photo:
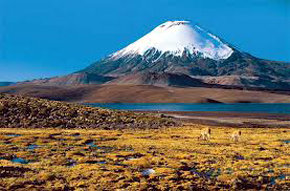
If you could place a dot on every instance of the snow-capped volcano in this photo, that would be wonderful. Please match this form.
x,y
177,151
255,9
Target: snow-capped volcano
x,y
177,37
178,53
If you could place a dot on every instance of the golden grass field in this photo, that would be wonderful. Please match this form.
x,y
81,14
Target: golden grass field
x,y
153,159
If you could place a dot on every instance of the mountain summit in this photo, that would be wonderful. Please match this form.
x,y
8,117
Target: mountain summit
x,y
176,38
177,53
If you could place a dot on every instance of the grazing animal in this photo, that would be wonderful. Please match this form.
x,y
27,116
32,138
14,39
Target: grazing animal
x,y
205,134
236,136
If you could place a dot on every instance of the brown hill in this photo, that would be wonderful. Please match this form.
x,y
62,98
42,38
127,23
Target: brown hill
x,y
24,112
111,93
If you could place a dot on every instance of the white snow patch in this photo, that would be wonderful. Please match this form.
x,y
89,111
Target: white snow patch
x,y
176,37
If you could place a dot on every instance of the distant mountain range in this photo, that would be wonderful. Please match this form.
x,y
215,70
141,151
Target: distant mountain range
x,y
6,83
178,53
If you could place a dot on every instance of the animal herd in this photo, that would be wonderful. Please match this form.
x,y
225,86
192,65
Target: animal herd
x,y
206,134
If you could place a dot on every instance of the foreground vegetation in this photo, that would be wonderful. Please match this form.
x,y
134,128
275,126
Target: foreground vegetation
x,y
48,145
159,159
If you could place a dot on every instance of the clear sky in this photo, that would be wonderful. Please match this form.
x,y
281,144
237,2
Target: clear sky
x,y
44,38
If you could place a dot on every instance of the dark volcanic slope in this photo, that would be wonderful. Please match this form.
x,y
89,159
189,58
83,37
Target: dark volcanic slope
x,y
23,112
241,70
159,79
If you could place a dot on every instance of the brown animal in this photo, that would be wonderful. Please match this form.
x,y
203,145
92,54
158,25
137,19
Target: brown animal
x,y
205,134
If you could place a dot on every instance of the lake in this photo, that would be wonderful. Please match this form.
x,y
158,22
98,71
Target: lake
x,y
239,107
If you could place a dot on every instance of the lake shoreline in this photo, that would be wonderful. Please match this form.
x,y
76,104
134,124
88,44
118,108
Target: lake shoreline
x,y
252,108
232,115
231,119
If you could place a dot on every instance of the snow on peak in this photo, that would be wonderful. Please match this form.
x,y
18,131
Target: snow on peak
x,y
176,37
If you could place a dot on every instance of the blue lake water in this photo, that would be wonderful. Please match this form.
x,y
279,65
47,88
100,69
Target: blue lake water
x,y
32,147
239,107
19,160
13,135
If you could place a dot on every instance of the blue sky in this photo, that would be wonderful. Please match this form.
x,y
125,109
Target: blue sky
x,y
44,38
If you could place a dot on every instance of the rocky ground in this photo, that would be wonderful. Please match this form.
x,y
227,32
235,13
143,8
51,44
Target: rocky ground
x,y
25,112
